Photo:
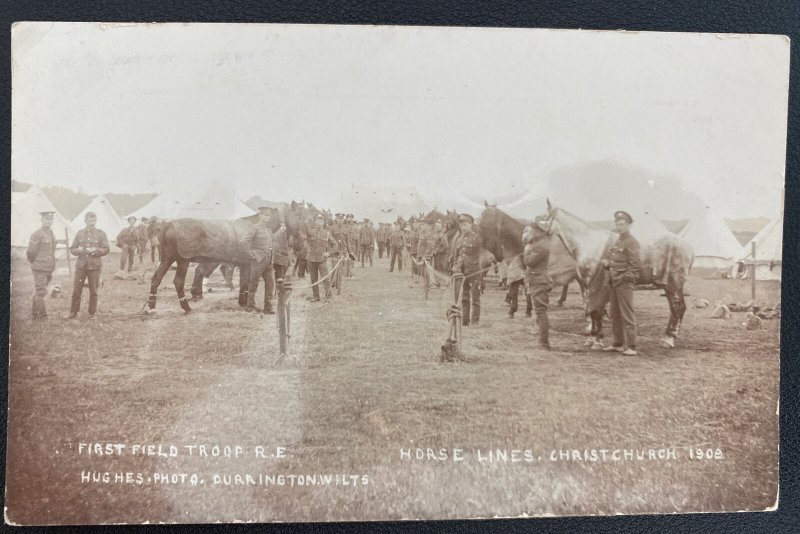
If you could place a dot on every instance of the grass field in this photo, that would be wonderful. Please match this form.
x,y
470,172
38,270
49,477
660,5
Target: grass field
x,y
362,382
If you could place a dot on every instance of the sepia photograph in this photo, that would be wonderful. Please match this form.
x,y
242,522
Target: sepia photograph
x,y
323,273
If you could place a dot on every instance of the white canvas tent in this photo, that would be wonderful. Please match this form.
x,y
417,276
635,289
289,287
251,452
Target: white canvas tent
x,y
769,248
25,220
714,245
381,204
108,220
647,226
217,201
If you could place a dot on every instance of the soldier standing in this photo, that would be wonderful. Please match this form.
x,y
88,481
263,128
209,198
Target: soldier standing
x,y
41,254
351,230
536,256
320,244
300,248
261,262
280,261
89,245
141,233
128,241
624,266
380,237
414,248
467,262
366,239
152,234
397,242
339,234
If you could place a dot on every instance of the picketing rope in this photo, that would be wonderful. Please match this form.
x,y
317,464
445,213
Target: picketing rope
x,y
330,273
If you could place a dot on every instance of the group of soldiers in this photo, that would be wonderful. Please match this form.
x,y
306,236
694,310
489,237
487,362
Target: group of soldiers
x,y
338,245
134,240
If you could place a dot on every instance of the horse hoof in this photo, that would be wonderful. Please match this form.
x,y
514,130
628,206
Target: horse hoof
x,y
668,342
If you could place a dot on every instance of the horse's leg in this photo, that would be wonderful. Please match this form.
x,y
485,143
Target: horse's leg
x,y
563,296
179,281
677,308
155,281
596,333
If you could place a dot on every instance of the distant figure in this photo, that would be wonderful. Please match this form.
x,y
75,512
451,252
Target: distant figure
x,y
339,234
280,257
89,245
41,254
351,230
536,257
128,241
440,247
380,237
320,244
261,262
468,262
141,233
624,266
300,248
152,234
397,242
366,240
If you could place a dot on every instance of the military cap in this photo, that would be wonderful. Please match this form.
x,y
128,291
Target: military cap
x,y
90,215
366,220
131,218
339,215
350,216
466,217
47,213
623,215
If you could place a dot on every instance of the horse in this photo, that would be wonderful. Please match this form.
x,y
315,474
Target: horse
x,y
502,236
186,240
666,260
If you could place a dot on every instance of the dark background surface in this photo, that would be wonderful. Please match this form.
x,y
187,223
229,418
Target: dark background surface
x,y
742,16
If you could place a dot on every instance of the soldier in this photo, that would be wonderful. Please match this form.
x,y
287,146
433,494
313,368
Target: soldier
x,y
339,234
380,234
536,256
351,229
366,240
89,245
414,248
300,248
141,233
280,260
261,262
624,266
128,240
397,242
152,234
41,254
440,248
467,262
320,243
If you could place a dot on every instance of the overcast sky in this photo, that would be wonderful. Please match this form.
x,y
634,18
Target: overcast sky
x,y
293,111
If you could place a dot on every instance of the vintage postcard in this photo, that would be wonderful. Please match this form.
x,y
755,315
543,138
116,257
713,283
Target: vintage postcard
x,y
301,273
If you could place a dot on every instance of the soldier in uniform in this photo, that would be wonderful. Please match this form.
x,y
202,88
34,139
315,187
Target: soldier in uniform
x,y
440,248
141,233
339,233
351,230
624,266
380,237
128,241
261,262
41,254
397,242
414,248
300,249
320,244
536,256
152,234
89,245
467,262
366,240
280,260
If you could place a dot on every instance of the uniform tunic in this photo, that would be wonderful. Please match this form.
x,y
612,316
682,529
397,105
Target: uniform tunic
x,y
261,267
366,239
624,270
536,257
467,262
397,242
41,254
320,242
128,241
89,245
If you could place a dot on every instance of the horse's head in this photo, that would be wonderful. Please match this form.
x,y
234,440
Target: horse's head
x,y
295,217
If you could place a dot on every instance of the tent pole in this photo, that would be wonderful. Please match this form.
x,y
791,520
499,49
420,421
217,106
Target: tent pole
x,y
753,272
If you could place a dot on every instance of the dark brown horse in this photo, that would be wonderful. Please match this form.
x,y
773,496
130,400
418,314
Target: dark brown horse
x,y
666,260
502,236
187,240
